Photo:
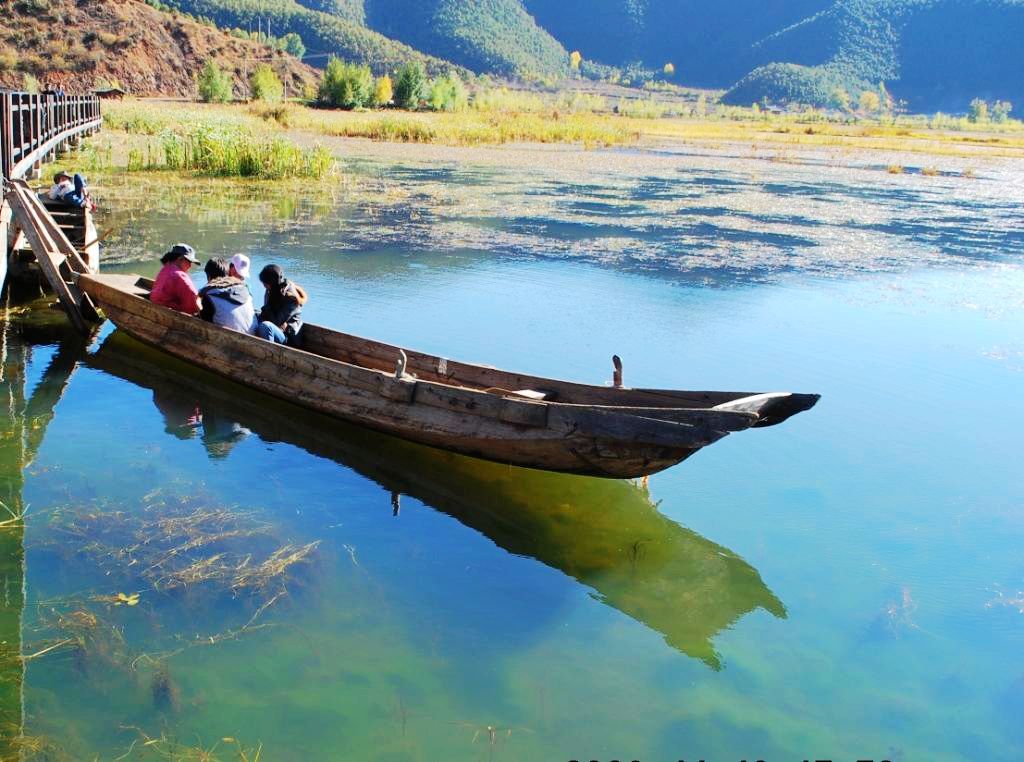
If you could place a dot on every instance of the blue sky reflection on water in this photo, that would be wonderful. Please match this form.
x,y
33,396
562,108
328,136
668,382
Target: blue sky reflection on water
x,y
846,585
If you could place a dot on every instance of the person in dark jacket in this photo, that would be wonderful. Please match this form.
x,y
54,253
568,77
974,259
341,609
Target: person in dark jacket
x,y
226,300
281,316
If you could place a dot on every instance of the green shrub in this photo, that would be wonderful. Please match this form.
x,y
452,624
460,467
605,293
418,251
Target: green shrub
x,y
291,44
346,85
214,85
282,113
503,99
265,85
447,93
576,102
641,109
410,85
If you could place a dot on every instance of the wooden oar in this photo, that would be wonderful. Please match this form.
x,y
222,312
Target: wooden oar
x,y
101,237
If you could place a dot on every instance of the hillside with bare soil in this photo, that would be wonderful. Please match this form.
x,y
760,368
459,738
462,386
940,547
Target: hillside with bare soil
x,y
92,43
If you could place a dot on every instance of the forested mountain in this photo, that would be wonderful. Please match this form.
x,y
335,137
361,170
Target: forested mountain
x,y
484,35
708,42
934,54
931,53
340,32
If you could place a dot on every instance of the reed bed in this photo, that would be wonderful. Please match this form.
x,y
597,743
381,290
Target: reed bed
x,y
214,141
208,139
476,128
224,153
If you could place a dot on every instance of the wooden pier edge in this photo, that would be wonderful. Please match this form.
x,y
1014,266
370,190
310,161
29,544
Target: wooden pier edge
x,y
33,128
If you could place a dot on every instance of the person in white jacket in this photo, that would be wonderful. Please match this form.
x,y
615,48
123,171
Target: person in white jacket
x,y
226,300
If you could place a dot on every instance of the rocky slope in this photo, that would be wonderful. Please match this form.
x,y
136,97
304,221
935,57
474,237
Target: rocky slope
x,y
88,43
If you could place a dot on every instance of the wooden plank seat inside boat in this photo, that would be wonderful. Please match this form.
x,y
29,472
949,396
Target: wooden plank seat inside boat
x,y
472,409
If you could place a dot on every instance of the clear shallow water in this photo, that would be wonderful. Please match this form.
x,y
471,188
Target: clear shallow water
x,y
843,586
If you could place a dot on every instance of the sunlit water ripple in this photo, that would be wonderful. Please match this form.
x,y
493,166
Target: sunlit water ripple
x,y
844,586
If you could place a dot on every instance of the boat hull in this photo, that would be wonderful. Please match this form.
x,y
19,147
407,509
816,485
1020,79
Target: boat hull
x,y
577,439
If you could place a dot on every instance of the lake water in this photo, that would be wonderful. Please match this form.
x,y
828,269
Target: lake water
x,y
203,568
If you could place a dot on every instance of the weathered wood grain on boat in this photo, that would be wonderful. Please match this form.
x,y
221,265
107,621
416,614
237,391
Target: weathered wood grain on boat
x,y
470,409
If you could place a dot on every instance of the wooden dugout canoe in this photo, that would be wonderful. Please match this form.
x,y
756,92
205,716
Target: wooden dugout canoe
x,y
470,409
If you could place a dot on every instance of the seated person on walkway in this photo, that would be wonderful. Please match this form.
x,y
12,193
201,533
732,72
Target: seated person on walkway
x,y
173,288
281,316
226,300
71,190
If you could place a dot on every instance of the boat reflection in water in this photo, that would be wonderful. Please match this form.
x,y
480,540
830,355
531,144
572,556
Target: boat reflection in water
x,y
605,534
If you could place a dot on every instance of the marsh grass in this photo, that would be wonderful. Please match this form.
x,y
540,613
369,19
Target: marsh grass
x,y
216,141
226,153
471,128
498,116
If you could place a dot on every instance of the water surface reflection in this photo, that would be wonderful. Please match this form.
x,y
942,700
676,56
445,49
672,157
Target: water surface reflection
x,y
607,535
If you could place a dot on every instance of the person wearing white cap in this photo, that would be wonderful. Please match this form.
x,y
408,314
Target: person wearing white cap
x,y
240,267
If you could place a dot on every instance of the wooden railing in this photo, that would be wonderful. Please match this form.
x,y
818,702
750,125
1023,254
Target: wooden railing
x,y
34,125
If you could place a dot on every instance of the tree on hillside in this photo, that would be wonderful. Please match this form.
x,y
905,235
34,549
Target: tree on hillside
x,y
840,99
669,69
383,93
869,102
214,85
410,85
885,100
575,59
291,44
265,85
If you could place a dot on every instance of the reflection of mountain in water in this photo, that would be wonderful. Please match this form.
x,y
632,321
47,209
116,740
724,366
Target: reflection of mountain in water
x,y
605,534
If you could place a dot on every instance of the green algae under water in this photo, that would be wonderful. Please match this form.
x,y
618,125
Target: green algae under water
x,y
844,586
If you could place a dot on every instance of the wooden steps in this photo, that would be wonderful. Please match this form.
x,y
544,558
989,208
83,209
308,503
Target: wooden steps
x,y
55,253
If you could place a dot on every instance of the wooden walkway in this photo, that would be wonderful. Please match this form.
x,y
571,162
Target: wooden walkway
x,y
33,128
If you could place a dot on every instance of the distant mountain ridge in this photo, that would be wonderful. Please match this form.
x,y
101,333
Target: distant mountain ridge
x,y
933,54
